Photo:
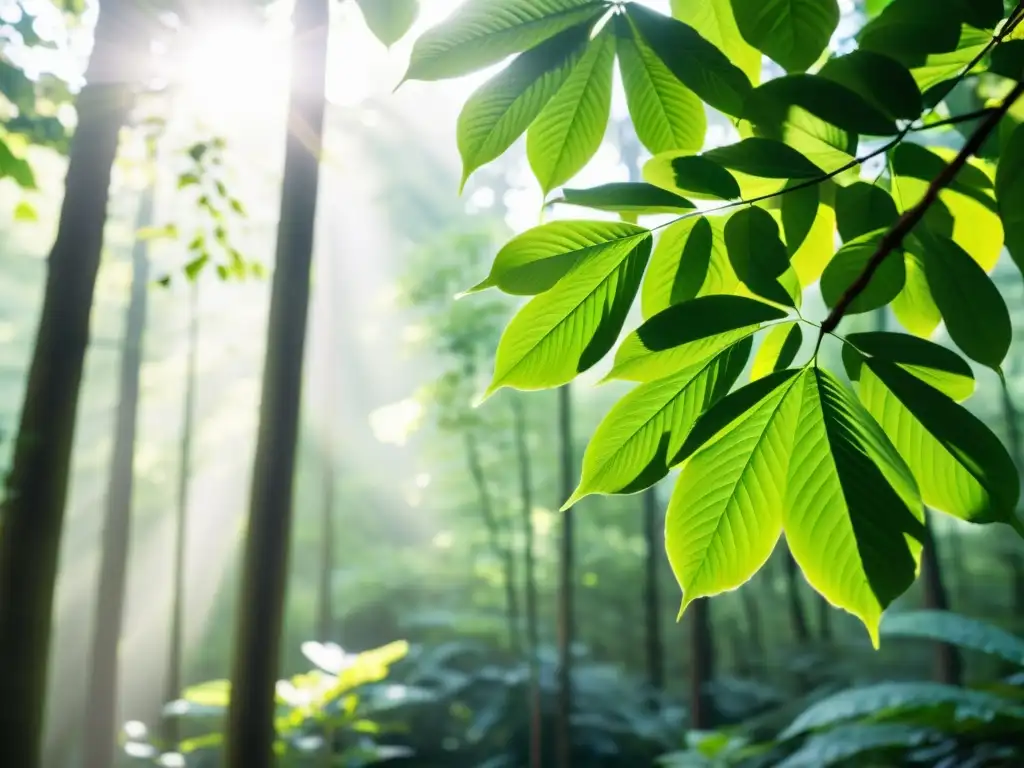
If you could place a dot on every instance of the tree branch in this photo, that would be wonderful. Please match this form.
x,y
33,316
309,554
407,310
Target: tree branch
x,y
912,217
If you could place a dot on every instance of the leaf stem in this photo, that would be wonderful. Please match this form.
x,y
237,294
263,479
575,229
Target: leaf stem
x,y
912,217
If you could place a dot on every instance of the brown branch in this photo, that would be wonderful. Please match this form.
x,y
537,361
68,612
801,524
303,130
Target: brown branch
x,y
912,217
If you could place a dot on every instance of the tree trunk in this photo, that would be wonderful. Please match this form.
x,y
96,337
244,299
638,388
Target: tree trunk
x,y
101,693
948,665
655,651
177,640
33,513
797,615
702,666
532,632
752,616
325,610
566,581
502,552
265,567
824,620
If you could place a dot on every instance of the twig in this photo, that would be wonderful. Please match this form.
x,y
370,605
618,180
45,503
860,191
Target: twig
x,y
911,218
953,120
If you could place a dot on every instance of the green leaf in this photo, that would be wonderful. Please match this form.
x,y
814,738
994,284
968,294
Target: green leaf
x,y
1008,59
770,104
570,128
939,67
816,248
778,350
689,260
627,197
693,174
910,30
862,208
848,264
756,253
937,366
15,168
984,14
498,112
765,158
1010,193
960,466
715,22
631,446
25,211
793,33
569,328
975,314
389,20
666,114
483,32
698,64
830,148
687,333
845,477
892,698
726,511
914,307
799,209
532,262
961,631
882,82
836,746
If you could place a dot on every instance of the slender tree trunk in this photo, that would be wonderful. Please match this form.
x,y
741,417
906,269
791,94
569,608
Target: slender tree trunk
x,y
101,692
752,617
502,551
265,567
33,513
655,650
702,660
948,664
532,632
566,581
795,605
176,659
325,612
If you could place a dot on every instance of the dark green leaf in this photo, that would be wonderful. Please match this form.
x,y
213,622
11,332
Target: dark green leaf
x,y
698,64
848,264
483,32
770,105
934,364
961,631
881,81
699,175
910,30
1008,59
627,197
715,22
793,33
975,314
389,20
1010,194
840,744
498,112
666,114
15,168
687,333
862,208
765,158
756,253
799,211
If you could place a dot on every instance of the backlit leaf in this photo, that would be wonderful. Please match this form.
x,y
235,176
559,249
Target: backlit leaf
x,y
793,33
848,264
817,246
766,158
389,20
881,81
568,329
498,112
972,308
938,366
778,350
627,197
757,254
852,515
715,22
1010,193
914,307
698,64
666,114
862,208
687,333
532,262
830,148
631,446
693,174
483,32
571,126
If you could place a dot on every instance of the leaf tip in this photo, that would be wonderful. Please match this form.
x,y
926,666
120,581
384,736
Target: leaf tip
x,y
576,497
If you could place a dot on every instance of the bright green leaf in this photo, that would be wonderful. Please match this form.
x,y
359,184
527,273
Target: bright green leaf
x,y
914,307
389,20
627,197
693,174
818,245
848,264
25,211
498,112
793,33
765,158
535,260
715,22
568,329
757,254
778,350
631,446
483,32
687,333
666,114
862,208
799,209
845,477
938,366
570,128
881,81
698,64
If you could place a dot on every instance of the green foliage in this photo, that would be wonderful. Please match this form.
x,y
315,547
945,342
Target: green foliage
x,y
844,472
389,20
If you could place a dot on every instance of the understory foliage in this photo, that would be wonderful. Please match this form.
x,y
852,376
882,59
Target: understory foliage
x,y
839,192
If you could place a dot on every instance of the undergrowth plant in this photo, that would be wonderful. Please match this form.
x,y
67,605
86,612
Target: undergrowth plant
x,y
840,180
